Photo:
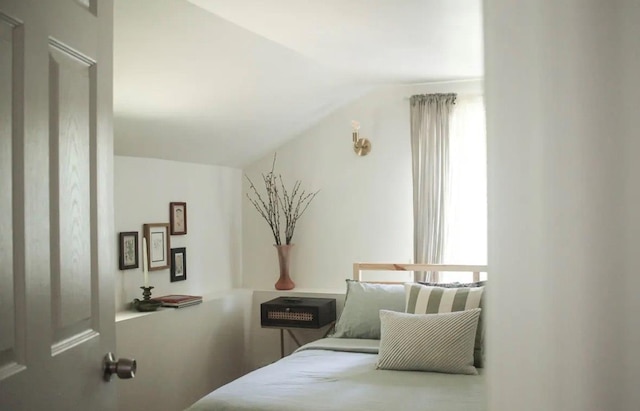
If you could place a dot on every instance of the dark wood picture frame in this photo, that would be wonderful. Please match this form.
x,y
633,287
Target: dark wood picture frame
x,y
128,246
178,264
178,218
158,246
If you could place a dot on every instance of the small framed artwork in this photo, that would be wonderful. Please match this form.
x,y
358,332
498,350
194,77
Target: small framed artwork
x,y
178,264
178,218
128,250
158,245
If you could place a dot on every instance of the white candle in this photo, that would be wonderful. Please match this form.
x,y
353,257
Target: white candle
x,y
145,271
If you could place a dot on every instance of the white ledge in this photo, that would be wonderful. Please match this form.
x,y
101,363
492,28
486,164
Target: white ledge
x,y
217,295
303,291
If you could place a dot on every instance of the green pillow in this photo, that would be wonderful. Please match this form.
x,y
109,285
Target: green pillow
x,y
360,316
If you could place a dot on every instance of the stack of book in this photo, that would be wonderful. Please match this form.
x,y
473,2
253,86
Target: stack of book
x,y
179,300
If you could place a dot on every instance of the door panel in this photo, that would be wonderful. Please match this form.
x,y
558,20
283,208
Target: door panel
x,y
56,204
7,310
12,298
85,3
71,79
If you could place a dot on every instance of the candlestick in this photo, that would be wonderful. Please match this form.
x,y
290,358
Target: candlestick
x,y
145,270
146,293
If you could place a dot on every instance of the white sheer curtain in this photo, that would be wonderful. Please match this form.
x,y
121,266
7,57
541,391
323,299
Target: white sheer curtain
x,y
466,216
430,119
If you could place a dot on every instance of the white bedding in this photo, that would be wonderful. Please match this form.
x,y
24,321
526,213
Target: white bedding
x,y
341,374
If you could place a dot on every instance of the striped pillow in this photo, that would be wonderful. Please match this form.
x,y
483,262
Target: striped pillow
x,y
455,285
428,342
422,299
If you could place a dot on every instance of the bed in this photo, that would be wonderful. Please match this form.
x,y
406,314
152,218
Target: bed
x,y
346,373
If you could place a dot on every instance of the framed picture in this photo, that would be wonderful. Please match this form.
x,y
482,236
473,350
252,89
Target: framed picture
x,y
158,245
128,250
178,218
178,264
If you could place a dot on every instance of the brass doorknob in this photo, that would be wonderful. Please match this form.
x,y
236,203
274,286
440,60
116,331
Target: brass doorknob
x,y
124,367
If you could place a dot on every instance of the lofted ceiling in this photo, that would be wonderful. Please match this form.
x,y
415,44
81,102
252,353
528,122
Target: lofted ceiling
x,y
225,81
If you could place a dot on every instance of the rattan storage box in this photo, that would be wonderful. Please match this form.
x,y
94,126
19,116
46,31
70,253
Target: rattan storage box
x,y
298,312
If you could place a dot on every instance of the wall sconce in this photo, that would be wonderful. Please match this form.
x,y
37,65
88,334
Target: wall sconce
x,y
361,146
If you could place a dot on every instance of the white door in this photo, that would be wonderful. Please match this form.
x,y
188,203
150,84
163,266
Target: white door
x,y
56,206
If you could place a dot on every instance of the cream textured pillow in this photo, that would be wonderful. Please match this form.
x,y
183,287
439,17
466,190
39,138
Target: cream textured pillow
x,y
428,342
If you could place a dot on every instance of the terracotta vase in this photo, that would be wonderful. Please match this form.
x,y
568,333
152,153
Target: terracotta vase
x,y
284,282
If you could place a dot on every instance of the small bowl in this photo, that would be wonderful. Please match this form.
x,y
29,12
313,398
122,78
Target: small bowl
x,y
146,305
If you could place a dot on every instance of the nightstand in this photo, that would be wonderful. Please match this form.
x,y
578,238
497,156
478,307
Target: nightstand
x,y
291,313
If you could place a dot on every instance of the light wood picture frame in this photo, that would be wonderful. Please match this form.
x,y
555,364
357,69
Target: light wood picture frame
x,y
178,218
158,246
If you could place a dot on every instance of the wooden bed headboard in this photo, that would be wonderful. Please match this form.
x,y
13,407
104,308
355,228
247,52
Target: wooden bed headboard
x,y
359,267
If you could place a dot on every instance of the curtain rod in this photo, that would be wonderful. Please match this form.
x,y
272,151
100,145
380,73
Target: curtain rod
x,y
473,94
458,82
464,80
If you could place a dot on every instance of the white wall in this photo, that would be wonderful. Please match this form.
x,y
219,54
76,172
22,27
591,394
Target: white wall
x,y
143,190
182,354
364,210
563,99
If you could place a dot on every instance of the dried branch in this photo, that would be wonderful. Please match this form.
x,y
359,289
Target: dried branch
x,y
280,203
291,205
270,209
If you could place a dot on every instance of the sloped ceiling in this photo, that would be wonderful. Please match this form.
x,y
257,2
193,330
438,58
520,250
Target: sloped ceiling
x,y
225,81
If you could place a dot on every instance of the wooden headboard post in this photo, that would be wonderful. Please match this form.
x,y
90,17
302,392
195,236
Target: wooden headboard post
x,y
359,267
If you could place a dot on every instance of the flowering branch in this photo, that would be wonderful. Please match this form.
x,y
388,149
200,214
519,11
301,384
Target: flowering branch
x,y
270,210
292,203
294,206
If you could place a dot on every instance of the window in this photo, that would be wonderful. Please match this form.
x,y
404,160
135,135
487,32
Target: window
x,y
466,209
